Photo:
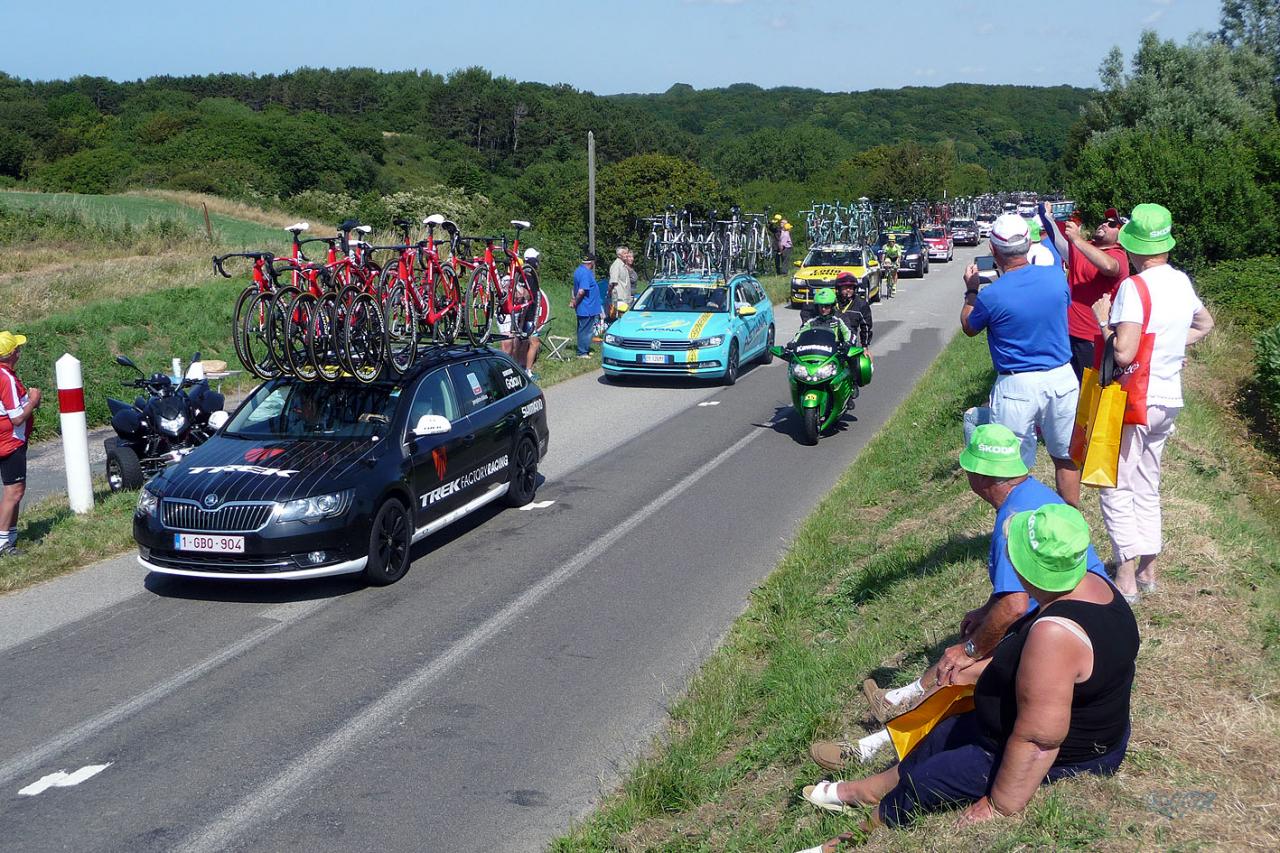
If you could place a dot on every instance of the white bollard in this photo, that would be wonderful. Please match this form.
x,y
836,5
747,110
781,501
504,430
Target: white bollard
x,y
75,433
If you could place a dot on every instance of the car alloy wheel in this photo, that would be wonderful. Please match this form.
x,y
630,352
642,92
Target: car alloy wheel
x,y
390,541
524,474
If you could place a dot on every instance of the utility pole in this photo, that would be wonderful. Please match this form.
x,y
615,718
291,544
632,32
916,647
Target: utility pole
x,y
591,192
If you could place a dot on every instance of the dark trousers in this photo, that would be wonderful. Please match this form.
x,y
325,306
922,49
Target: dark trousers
x,y
586,325
1081,355
950,768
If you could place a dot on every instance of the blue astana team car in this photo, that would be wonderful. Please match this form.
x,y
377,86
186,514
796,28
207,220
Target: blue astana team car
x,y
692,325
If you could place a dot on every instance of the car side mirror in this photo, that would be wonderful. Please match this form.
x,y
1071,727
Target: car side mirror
x,y
218,419
873,263
432,425
795,263
622,307
746,311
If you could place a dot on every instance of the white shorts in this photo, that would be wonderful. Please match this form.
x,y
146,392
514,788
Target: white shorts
x,y
1045,399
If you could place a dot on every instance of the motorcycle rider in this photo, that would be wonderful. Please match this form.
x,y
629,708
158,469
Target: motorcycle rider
x,y
852,306
825,317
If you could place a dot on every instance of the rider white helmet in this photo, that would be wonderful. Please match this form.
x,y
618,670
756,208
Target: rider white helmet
x,y
531,254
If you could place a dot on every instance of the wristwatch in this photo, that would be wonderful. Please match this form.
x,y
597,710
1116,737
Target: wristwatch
x,y
971,650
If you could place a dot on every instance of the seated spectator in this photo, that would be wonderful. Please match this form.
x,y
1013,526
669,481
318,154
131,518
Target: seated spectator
x,y
998,475
1051,702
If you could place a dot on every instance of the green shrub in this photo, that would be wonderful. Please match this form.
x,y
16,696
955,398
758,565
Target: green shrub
x,y
1246,290
1267,365
95,171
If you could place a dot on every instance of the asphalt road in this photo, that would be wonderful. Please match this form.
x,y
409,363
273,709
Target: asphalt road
x,y
481,703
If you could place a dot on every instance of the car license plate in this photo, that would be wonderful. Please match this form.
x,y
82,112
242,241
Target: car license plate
x,y
212,543
648,358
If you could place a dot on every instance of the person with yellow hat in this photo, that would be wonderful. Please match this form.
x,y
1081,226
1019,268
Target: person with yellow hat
x,y
17,406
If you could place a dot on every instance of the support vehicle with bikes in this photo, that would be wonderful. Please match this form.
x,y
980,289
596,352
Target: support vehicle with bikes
x,y
693,325
823,264
310,479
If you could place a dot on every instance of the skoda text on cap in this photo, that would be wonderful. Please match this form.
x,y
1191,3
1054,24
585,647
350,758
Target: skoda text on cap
x,y
1010,232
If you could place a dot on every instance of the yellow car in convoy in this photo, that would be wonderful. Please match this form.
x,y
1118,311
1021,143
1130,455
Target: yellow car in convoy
x,y
823,263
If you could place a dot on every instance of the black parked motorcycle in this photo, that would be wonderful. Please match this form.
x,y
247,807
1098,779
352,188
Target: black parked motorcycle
x,y
163,424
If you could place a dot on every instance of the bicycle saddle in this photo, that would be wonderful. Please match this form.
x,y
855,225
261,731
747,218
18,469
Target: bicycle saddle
x,y
363,229
434,219
520,223
349,225
298,227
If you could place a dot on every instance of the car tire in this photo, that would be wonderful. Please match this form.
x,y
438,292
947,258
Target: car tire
x,y
731,365
390,543
767,357
124,470
524,474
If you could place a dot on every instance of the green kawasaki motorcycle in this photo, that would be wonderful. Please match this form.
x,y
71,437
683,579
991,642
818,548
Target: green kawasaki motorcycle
x,y
825,378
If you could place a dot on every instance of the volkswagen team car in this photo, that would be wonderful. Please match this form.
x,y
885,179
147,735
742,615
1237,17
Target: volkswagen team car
x,y
309,479
823,263
691,325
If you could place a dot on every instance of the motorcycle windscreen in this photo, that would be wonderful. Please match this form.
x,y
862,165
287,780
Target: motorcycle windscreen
x,y
817,342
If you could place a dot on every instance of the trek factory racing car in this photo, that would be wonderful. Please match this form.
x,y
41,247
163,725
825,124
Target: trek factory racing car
x,y
309,479
823,264
691,325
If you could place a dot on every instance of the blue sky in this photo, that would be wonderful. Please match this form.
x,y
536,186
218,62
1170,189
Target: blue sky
x,y
605,47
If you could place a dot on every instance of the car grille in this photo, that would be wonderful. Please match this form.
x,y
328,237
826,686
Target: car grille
x,y
642,343
228,518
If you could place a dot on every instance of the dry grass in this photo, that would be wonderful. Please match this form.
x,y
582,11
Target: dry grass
x,y
59,287
271,217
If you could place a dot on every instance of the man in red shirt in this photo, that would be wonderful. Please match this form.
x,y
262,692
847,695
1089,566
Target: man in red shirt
x,y
17,406
1094,267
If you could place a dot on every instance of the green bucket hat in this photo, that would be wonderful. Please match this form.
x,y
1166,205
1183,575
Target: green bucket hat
x,y
994,451
1149,230
1033,230
1049,546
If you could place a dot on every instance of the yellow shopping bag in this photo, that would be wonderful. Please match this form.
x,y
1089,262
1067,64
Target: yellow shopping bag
x,y
1102,457
907,730
1090,389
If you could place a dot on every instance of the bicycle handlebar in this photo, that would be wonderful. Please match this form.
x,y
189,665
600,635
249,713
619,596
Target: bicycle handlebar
x,y
218,260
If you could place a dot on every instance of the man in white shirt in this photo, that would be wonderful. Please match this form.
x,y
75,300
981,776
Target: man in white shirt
x,y
619,282
1178,319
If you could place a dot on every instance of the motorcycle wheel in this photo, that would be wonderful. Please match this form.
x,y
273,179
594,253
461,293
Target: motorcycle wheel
x,y
124,470
810,418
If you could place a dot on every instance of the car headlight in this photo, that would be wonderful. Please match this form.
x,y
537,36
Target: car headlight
x,y
913,256
795,281
175,424
316,508
611,339
148,502
713,341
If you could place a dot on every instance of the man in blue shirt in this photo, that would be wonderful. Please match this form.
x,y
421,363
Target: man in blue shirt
x,y
1024,315
586,302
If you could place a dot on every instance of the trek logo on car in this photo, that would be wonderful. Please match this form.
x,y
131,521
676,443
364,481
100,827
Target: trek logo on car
x,y
466,481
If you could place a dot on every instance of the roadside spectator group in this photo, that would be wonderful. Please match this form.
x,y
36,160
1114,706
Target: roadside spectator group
x,y
1036,688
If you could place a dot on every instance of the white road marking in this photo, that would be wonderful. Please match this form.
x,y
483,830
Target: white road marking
x,y
709,403
536,505
267,800
63,779
29,761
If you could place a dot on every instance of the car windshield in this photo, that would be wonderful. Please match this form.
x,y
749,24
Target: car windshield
x,y
986,217
962,223
286,408
671,298
833,258
934,232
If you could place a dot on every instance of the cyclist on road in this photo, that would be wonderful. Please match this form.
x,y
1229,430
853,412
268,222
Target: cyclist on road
x,y
892,255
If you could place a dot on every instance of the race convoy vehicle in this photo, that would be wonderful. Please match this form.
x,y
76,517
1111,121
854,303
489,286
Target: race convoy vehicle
x,y
824,263
915,254
309,479
938,242
691,325
964,232
985,223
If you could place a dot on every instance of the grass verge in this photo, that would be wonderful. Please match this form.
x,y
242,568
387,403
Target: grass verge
x,y
875,583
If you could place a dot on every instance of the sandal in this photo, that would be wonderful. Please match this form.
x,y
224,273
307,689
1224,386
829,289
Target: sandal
x,y
834,845
1146,587
823,795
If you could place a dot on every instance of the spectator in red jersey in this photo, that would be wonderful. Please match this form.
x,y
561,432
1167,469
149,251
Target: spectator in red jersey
x,y
1095,268
17,407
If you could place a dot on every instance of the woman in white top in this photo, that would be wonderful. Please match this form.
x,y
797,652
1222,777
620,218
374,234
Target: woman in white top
x,y
1131,511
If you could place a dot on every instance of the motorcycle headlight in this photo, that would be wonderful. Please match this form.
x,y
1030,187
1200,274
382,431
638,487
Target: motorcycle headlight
x,y
826,371
148,502
799,371
174,425
316,508
713,341
611,339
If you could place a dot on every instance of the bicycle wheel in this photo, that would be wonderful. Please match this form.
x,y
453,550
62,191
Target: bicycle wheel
x,y
281,307
402,328
322,344
445,298
363,336
342,313
256,331
238,325
301,317
477,308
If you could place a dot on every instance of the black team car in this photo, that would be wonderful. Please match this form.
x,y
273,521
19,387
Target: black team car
x,y
309,479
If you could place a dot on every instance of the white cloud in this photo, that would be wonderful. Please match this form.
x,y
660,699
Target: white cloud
x,y
1154,16
926,72
985,29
